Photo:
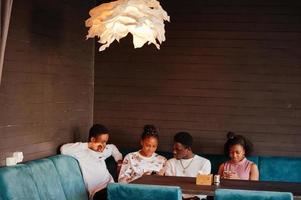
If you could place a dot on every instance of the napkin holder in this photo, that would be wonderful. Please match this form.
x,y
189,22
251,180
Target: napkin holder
x,y
202,179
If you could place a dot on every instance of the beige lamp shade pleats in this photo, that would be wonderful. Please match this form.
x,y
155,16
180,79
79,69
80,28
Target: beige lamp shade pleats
x,y
144,19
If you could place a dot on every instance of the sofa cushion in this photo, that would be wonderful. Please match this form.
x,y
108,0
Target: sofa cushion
x,y
215,160
168,155
47,179
118,191
231,194
254,159
16,183
70,176
280,169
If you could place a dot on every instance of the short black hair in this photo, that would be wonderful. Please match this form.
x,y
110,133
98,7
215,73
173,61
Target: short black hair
x,y
234,139
149,130
96,130
184,138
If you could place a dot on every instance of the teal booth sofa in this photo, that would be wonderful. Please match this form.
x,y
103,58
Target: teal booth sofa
x,y
54,178
59,177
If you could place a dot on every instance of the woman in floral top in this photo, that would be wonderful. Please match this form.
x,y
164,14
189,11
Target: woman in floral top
x,y
145,161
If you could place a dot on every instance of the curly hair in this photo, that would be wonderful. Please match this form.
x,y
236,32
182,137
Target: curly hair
x,y
233,139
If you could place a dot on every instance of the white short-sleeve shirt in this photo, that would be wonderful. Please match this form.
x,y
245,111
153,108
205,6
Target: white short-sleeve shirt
x,y
188,167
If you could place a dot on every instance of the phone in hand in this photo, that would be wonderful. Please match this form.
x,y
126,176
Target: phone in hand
x,y
153,173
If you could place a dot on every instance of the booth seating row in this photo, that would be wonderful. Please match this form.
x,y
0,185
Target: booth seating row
x,y
59,177
117,191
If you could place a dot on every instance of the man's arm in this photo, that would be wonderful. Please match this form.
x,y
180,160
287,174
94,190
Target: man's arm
x,y
72,149
116,154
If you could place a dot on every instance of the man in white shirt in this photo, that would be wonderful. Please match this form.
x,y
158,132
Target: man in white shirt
x,y
91,157
185,162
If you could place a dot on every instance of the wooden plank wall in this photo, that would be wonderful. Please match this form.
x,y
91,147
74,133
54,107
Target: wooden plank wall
x,y
226,65
46,94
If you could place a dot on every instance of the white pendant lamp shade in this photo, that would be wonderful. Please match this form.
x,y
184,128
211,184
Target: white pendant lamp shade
x,y
144,19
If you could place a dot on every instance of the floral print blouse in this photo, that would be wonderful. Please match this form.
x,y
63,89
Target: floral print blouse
x,y
135,165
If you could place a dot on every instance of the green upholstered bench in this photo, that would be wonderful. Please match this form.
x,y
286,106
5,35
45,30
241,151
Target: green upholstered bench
x,y
52,178
59,177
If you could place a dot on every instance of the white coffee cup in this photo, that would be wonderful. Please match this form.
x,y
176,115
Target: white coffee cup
x,y
18,156
11,161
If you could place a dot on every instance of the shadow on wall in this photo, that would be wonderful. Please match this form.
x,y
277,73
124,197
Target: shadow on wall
x,y
46,21
77,136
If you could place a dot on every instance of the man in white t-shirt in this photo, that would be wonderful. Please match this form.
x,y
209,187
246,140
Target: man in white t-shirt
x,y
185,162
91,157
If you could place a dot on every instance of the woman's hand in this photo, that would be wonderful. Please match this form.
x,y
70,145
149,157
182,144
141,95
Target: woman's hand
x,y
151,173
147,173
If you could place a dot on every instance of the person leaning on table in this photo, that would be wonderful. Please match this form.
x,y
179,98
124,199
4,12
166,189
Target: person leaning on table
x,y
237,148
185,162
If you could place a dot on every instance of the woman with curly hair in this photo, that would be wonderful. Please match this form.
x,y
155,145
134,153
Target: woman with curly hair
x,y
237,148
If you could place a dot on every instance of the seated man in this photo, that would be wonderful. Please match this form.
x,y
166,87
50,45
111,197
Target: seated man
x,y
185,162
91,157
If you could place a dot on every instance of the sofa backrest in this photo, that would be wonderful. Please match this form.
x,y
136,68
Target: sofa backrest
x,y
56,177
273,168
46,179
17,183
215,160
70,176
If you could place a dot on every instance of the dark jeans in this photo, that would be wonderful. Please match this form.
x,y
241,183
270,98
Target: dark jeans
x,y
101,195
191,198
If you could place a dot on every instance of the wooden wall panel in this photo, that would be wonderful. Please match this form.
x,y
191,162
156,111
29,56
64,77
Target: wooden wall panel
x,y
46,94
225,65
